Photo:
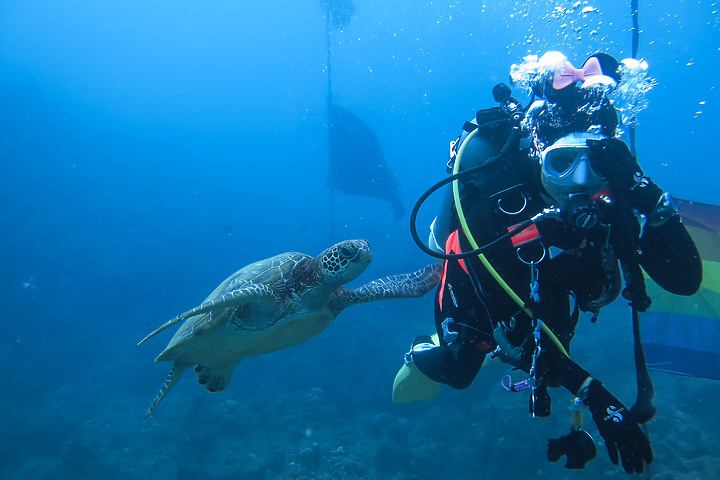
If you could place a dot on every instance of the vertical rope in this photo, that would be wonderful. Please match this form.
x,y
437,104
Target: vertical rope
x,y
328,46
635,27
329,100
644,409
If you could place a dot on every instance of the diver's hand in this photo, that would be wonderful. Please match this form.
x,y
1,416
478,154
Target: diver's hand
x,y
611,158
619,429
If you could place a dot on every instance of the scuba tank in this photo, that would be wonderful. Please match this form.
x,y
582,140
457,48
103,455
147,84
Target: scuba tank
x,y
489,144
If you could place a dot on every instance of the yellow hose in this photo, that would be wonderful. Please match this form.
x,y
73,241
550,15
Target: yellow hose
x,y
491,270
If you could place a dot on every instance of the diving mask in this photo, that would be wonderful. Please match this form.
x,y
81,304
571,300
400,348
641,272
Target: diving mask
x,y
566,169
570,180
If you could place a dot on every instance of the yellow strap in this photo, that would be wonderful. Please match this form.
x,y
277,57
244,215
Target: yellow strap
x,y
491,270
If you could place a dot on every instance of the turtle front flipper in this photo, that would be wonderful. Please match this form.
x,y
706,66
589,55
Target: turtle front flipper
x,y
172,378
230,299
407,285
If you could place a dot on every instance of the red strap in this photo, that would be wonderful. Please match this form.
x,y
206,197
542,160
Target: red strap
x,y
525,235
452,245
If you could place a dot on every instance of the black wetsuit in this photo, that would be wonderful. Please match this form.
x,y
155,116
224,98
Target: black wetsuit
x,y
575,271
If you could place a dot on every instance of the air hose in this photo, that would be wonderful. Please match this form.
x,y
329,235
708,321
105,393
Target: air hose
x,y
488,266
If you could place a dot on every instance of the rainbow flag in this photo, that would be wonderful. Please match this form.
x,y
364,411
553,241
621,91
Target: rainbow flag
x,y
681,335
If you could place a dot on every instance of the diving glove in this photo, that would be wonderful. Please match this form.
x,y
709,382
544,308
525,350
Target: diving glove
x,y
619,429
611,158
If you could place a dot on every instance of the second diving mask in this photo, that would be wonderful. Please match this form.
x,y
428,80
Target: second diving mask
x,y
570,180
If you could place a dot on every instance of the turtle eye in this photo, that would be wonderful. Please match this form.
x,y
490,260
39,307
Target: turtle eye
x,y
346,252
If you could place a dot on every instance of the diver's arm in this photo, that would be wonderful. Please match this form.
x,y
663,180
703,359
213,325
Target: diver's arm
x,y
670,257
667,252
559,370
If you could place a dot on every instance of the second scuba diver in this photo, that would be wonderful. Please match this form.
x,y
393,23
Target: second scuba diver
x,y
576,217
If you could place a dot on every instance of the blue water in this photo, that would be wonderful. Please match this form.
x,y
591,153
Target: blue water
x,y
149,149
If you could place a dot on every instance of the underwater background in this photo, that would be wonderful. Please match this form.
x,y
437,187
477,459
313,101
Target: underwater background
x,y
150,149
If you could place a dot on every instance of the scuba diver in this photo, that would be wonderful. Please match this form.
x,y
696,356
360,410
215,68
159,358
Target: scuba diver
x,y
550,214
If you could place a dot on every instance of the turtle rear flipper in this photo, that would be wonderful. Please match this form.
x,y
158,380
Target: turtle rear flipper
x,y
172,378
213,379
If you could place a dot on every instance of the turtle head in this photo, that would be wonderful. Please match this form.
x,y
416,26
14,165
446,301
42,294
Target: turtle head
x,y
345,261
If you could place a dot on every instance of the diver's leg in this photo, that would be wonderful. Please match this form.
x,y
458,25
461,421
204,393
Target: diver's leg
x,y
464,332
456,368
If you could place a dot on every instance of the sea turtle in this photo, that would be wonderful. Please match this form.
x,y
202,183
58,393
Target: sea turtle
x,y
274,304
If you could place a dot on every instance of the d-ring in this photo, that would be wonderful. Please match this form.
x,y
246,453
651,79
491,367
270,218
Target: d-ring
x,y
531,262
510,212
